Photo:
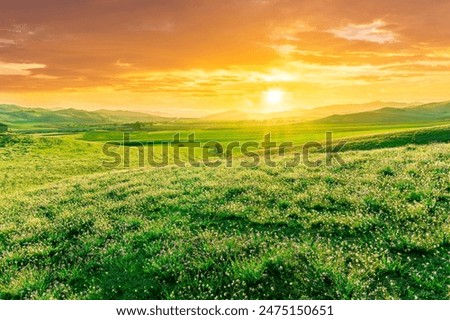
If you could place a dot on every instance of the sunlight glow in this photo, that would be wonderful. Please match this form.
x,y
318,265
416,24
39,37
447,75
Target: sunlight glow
x,y
274,96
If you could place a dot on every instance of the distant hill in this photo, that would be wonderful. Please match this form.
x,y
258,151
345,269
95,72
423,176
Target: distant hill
x,y
428,112
307,114
231,115
13,114
373,112
321,112
129,116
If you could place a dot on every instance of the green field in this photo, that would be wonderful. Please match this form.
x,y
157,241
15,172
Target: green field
x,y
298,133
377,227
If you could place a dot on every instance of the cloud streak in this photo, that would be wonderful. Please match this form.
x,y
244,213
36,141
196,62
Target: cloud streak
x,y
372,32
18,69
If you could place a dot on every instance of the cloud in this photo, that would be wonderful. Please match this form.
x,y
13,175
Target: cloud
x,y
18,69
183,53
44,76
122,64
290,31
372,32
6,42
284,49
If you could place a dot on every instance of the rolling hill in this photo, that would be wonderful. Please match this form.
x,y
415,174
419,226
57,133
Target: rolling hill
x,y
341,109
306,114
439,111
130,116
13,114
230,115
429,135
375,228
374,112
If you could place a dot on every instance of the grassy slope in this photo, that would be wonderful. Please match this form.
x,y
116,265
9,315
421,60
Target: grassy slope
x,y
396,139
377,227
12,114
28,162
20,118
427,112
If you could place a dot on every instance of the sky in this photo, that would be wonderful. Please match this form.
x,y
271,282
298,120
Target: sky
x,y
204,56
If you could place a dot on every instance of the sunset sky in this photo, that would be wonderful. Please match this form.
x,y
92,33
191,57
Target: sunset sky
x,y
200,56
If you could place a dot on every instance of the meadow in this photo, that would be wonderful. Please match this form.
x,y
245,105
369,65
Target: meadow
x,y
377,227
253,131
160,138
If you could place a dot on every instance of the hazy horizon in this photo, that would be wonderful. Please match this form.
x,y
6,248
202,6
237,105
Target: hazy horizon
x,y
180,112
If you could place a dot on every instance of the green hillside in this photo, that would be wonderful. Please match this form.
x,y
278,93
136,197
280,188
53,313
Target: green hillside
x,y
390,140
12,114
375,228
423,113
129,116
16,115
28,162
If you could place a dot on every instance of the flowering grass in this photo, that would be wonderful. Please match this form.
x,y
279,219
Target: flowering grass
x,y
376,228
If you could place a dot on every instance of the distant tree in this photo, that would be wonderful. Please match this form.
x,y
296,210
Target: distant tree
x,y
3,127
137,125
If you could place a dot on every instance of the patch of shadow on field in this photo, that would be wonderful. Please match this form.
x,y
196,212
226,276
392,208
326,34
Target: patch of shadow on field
x,y
393,140
413,274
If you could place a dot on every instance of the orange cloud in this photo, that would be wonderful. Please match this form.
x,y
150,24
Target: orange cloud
x,y
201,54
372,32
19,69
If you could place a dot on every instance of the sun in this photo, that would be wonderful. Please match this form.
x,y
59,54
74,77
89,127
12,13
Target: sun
x,y
274,96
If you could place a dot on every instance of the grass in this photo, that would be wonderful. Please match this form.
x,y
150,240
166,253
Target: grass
x,y
375,228
28,162
360,137
390,140
251,131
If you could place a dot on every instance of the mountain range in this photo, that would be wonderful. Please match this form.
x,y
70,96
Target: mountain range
x,y
13,114
307,114
373,112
